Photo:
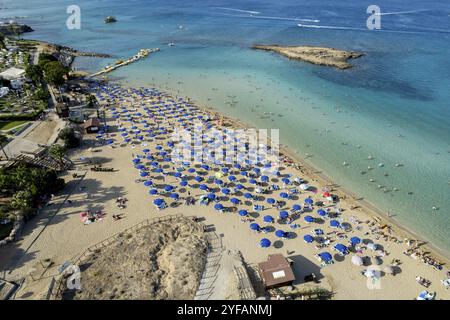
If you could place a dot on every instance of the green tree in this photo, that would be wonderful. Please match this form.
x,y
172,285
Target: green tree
x,y
22,200
3,141
35,73
55,73
58,152
45,58
69,138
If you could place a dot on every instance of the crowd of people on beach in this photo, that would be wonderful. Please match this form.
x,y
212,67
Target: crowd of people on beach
x,y
146,116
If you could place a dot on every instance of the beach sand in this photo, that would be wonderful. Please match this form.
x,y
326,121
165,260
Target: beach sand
x,y
65,236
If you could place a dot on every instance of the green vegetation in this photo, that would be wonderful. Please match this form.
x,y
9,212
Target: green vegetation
x,y
11,124
58,152
35,73
3,141
69,138
55,73
22,200
27,185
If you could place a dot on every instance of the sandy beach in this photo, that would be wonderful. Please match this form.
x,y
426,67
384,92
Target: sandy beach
x,y
59,233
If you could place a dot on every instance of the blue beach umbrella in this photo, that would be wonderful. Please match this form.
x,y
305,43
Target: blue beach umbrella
x,y
191,170
264,178
211,196
203,187
325,257
355,240
174,196
218,206
270,200
309,201
225,191
183,183
321,212
140,167
248,195
309,219
158,201
265,243
153,192
148,183
252,181
296,207
280,233
318,232
243,213
308,238
232,178
268,219
198,179
136,161
284,214
255,227
341,248
234,200
284,195
143,174
239,187
334,224
177,175
168,188
286,180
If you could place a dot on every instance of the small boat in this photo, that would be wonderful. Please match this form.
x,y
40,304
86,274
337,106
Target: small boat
x,y
171,44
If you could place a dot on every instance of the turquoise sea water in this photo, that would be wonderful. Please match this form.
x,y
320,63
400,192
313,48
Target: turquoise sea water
x,y
394,105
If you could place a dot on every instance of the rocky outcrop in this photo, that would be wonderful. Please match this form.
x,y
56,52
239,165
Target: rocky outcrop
x,y
11,29
316,55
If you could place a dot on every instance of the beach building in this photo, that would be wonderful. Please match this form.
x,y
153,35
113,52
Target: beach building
x,y
92,125
276,271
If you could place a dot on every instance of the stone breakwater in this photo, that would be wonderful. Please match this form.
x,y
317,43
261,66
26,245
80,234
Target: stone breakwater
x,y
143,53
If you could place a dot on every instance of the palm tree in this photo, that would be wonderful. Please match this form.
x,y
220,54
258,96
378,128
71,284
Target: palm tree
x,y
3,140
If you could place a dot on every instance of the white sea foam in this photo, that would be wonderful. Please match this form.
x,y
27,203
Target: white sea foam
x,y
329,27
274,18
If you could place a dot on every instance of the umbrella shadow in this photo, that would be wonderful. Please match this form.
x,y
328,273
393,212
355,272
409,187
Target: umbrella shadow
x,y
270,229
278,244
254,215
338,257
303,267
292,235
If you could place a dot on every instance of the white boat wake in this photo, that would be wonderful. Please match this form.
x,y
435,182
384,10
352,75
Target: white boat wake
x,y
238,10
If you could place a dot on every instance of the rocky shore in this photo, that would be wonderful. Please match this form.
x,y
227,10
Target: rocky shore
x,y
316,55
11,29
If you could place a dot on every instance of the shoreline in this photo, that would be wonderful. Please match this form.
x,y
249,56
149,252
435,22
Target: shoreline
x,y
368,208
310,170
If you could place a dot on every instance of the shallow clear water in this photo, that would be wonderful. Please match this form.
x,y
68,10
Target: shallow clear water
x,y
393,105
